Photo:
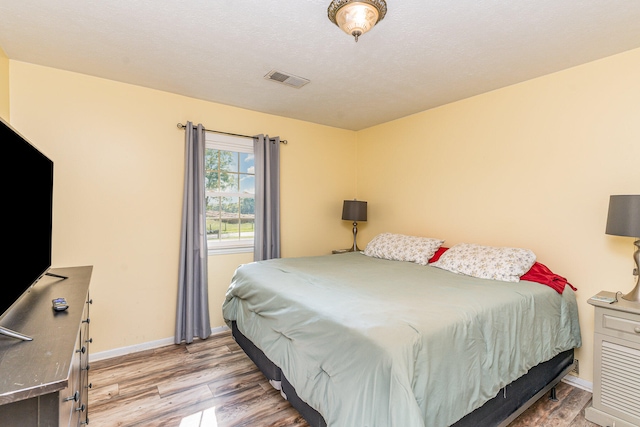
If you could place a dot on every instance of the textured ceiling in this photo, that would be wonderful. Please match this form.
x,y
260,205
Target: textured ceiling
x,y
422,55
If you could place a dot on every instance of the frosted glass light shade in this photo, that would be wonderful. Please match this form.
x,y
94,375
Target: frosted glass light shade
x,y
356,17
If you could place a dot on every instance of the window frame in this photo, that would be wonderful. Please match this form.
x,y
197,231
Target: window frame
x,y
237,144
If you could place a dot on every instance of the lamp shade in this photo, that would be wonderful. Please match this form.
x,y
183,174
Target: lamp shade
x,y
354,210
624,216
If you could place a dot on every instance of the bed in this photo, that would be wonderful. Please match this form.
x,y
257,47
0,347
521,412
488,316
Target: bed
x,y
358,340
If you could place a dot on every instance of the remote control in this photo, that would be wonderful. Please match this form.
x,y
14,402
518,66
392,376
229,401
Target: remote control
x,y
59,304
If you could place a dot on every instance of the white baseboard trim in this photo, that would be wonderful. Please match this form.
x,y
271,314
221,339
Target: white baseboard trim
x,y
579,383
108,354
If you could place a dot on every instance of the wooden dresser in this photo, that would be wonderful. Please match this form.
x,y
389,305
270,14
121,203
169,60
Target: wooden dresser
x,y
44,382
616,363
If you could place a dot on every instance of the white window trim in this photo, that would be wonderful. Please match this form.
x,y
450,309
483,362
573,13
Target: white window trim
x,y
242,145
236,247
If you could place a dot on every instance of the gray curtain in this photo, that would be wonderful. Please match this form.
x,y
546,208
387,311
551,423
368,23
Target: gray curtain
x,y
267,229
192,318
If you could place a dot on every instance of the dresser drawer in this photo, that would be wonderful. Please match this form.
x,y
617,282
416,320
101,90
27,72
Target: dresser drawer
x,y
619,324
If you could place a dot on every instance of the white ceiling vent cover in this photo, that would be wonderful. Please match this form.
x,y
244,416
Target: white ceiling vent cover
x,y
286,79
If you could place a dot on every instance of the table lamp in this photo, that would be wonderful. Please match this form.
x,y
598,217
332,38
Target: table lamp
x,y
624,220
354,210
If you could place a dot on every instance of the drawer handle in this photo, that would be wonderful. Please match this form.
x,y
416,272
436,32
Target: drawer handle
x,y
637,330
81,408
83,350
75,397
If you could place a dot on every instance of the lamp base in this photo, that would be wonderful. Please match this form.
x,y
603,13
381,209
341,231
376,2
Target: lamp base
x,y
355,247
634,295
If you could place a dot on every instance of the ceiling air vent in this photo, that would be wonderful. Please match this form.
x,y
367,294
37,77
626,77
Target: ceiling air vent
x,y
286,79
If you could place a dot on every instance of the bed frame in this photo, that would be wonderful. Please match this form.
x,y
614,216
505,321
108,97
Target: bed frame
x,y
505,407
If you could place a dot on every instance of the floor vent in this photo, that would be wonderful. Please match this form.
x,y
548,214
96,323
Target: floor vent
x,y
286,79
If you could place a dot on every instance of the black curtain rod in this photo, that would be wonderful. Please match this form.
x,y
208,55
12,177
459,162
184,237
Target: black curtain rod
x,y
181,126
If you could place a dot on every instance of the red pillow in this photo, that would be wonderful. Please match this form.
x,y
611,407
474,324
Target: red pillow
x,y
538,273
438,254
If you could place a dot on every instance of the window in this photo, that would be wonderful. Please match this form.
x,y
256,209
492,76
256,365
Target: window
x,y
229,193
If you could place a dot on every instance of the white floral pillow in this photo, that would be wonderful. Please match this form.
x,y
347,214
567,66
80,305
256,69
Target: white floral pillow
x,y
398,247
487,262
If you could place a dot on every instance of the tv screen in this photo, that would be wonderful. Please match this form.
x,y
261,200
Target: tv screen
x,y
27,199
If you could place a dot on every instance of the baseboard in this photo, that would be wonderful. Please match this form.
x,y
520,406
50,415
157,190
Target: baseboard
x,y
578,383
108,354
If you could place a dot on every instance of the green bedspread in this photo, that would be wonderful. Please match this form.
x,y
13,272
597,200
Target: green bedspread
x,y
377,343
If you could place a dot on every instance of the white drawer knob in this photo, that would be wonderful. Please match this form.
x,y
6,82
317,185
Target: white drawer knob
x,y
637,330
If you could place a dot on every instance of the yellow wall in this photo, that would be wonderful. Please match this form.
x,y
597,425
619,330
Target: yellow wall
x,y
118,159
4,85
531,165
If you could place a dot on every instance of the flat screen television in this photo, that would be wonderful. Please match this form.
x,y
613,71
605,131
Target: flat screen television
x,y
27,197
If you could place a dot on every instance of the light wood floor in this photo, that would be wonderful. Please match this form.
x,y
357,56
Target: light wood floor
x,y
213,383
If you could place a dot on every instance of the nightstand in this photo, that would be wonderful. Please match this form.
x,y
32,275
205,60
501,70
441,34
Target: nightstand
x,y
616,363
341,251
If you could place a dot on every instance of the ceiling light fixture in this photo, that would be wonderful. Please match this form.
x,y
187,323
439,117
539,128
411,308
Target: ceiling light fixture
x,y
356,17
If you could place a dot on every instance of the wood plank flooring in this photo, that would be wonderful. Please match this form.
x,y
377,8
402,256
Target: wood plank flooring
x,y
212,383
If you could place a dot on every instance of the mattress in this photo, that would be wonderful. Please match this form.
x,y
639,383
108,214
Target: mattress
x,y
366,341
